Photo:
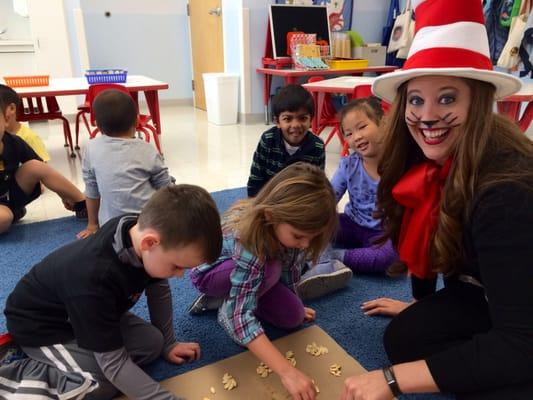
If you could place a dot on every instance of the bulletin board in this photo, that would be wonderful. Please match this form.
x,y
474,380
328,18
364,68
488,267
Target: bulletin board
x,y
340,12
287,18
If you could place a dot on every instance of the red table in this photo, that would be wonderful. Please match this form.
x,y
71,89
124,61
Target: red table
x,y
346,84
291,76
79,86
341,85
511,106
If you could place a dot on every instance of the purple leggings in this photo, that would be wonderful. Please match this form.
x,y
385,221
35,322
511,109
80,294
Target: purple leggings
x,y
361,254
276,303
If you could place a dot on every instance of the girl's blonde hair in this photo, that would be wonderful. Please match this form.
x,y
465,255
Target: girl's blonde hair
x,y
490,151
299,195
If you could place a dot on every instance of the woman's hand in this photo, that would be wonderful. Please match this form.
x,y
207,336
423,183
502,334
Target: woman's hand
x,y
309,314
369,386
384,306
184,352
299,385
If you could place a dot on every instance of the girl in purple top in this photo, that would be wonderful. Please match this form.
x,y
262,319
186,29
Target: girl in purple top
x,y
358,175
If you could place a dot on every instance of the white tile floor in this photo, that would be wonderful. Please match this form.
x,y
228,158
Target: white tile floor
x,y
215,157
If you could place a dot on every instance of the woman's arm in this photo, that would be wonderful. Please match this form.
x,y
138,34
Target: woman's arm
x,y
412,377
501,234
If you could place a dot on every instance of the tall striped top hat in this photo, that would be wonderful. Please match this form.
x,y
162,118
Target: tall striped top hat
x,y
450,39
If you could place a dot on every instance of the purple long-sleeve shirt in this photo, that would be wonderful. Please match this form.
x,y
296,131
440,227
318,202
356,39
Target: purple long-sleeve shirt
x,y
351,176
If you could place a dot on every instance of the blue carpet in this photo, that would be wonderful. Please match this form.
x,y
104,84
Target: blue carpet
x,y
361,336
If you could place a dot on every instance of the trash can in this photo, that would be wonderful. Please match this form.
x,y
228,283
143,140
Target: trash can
x,y
221,97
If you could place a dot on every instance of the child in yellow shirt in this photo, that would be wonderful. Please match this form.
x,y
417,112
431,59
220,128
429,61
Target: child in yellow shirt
x,y
11,99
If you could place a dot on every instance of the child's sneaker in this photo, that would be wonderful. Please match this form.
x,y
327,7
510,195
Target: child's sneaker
x,y
205,303
322,279
9,350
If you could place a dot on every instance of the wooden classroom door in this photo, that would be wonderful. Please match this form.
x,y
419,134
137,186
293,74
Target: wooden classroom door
x,y
205,21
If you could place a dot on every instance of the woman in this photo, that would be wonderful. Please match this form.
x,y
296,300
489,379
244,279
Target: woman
x,y
456,195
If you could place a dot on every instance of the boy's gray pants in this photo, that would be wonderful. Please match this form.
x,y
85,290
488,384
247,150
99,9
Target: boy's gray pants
x,y
66,371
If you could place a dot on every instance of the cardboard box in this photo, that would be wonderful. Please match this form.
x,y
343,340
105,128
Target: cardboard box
x,y
197,384
374,52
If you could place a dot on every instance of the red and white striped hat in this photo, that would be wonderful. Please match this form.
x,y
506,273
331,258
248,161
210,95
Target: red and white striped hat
x,y
450,39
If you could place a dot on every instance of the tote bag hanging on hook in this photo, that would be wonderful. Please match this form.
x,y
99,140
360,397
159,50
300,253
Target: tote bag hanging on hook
x,y
404,51
400,31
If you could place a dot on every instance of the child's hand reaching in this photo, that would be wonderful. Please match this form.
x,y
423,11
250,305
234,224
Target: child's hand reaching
x,y
184,352
299,385
91,229
309,314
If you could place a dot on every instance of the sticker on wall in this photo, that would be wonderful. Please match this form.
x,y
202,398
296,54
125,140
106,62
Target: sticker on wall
x,y
339,11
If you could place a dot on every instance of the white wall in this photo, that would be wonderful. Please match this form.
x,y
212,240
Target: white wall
x,y
258,16
18,28
145,37
368,19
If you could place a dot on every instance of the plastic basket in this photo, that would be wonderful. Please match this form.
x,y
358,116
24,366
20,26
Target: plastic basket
x,y
25,81
106,76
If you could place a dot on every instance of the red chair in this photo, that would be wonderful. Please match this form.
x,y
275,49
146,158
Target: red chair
x,y
84,109
143,121
328,118
35,109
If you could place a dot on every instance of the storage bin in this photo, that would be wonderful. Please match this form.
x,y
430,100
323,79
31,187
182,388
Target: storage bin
x,y
374,53
25,81
106,76
345,63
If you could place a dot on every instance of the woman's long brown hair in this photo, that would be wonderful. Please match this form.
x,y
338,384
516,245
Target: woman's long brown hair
x,y
491,150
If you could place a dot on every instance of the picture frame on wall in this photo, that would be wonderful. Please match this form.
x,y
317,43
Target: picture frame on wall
x,y
340,11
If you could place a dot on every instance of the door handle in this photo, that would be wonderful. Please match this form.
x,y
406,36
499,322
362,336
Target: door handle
x,y
216,11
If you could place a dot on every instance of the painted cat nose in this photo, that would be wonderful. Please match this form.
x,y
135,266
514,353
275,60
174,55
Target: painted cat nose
x,y
429,124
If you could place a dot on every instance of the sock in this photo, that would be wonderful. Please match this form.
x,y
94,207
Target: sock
x,y
338,254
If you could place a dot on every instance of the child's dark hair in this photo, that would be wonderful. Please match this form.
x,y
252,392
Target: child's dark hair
x,y
371,106
183,215
115,112
292,98
8,96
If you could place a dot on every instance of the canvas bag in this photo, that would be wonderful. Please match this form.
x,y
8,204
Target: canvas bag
x,y
399,36
404,51
510,57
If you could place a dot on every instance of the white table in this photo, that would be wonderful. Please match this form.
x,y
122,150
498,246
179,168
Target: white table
x,y
79,86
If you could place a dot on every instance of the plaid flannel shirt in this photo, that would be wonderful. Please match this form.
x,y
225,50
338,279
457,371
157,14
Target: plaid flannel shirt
x,y
237,313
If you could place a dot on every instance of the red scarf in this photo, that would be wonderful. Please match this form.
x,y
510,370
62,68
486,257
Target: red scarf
x,y
419,191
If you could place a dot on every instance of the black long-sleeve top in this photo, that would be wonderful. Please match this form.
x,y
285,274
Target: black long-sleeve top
x,y
499,249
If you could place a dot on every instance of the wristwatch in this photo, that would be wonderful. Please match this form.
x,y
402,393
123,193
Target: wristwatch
x,y
391,381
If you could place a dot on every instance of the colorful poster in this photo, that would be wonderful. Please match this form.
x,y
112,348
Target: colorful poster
x,y
339,11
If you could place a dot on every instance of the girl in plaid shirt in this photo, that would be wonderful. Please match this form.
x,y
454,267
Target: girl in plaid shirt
x,y
267,240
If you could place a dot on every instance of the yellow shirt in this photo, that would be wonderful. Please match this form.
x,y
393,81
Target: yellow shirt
x,y
34,141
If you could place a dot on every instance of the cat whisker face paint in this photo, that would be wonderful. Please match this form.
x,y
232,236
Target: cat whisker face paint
x,y
436,110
